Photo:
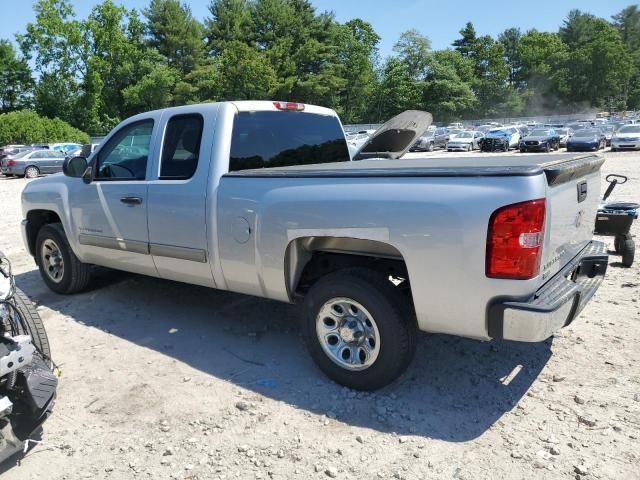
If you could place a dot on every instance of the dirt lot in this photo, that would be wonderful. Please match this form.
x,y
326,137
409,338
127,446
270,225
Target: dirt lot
x,y
163,380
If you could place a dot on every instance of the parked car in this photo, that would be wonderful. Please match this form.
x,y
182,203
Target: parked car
x,y
32,163
13,150
294,220
500,139
565,134
586,139
540,140
626,138
455,125
464,141
65,147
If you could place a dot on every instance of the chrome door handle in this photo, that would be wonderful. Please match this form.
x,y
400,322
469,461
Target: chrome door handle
x,y
130,200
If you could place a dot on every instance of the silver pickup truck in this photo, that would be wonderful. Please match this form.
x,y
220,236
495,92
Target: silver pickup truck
x,y
262,198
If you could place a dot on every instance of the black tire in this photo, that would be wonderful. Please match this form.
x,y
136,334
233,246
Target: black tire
x,y
75,276
627,250
617,243
614,149
547,148
522,150
391,312
34,324
31,171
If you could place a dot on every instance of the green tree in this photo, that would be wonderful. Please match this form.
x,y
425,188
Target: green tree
x,y
447,91
230,21
16,83
413,49
510,40
58,47
599,65
466,44
175,34
26,126
397,91
357,53
628,24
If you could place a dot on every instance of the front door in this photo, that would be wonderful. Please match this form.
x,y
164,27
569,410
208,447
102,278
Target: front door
x,y
110,213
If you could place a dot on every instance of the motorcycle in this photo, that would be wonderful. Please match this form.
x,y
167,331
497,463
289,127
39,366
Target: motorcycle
x,y
27,380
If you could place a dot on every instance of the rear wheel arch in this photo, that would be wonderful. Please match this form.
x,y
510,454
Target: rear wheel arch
x,y
308,259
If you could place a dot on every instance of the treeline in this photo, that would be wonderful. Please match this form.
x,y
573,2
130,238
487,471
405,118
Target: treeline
x,y
93,72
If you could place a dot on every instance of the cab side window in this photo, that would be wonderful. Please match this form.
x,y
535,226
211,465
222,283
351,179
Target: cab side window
x,y
125,155
181,147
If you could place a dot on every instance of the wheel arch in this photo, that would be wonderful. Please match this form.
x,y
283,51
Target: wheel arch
x,y
307,259
36,219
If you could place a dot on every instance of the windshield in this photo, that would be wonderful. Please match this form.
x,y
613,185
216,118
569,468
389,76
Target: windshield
x,y
630,129
539,133
464,135
588,133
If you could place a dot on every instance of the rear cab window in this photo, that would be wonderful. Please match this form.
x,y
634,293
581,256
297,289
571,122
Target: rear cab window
x,y
181,147
267,139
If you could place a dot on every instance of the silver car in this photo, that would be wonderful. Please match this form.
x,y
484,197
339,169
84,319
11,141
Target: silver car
x,y
32,163
626,138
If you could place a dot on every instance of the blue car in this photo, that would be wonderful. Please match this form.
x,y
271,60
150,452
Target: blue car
x,y
586,140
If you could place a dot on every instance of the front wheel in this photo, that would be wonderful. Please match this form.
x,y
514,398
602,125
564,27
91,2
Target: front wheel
x,y
359,328
59,267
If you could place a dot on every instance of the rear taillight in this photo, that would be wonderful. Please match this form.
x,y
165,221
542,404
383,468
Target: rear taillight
x,y
11,163
514,240
291,106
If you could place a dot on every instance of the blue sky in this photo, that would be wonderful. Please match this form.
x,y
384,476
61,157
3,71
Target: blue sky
x,y
439,20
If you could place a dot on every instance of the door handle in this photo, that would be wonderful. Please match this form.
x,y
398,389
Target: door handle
x,y
130,200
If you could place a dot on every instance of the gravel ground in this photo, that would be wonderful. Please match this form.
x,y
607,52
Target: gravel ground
x,y
163,380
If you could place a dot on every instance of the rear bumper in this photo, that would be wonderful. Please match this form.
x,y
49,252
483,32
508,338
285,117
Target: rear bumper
x,y
555,305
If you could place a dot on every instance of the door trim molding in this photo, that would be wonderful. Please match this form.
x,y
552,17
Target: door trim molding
x,y
180,253
144,248
134,246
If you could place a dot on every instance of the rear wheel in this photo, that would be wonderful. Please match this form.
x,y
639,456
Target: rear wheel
x,y
59,267
359,328
627,250
31,172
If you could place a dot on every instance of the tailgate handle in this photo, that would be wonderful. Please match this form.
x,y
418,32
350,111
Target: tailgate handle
x,y
582,191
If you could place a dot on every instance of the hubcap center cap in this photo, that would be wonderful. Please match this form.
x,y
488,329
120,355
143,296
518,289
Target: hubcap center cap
x,y
352,331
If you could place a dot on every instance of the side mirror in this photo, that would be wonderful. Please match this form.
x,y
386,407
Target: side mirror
x,y
74,166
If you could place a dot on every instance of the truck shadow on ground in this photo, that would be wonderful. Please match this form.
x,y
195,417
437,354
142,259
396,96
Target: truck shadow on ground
x,y
455,390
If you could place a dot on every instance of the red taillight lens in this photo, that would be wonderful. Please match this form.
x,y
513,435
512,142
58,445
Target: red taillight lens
x,y
291,106
11,163
514,241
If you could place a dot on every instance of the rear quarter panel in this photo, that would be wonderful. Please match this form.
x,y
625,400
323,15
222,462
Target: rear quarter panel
x,y
439,225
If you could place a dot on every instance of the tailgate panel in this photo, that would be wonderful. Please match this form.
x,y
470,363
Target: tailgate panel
x,y
573,196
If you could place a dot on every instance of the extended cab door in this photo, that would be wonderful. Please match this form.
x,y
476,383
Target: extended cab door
x,y
178,220
110,213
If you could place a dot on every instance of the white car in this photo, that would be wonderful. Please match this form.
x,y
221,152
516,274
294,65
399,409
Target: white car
x,y
515,136
626,138
464,141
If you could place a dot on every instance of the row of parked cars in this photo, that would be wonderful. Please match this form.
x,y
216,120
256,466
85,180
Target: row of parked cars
x,y
36,159
574,136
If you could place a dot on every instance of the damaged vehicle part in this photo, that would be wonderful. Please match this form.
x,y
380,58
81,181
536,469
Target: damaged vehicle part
x,y
27,382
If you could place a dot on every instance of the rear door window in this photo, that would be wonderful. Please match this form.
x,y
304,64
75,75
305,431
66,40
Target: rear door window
x,y
280,139
181,147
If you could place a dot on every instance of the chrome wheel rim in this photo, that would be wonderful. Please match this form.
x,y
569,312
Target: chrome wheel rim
x,y
52,261
31,172
348,334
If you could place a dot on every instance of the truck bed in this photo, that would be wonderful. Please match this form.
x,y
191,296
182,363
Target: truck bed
x,y
558,168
